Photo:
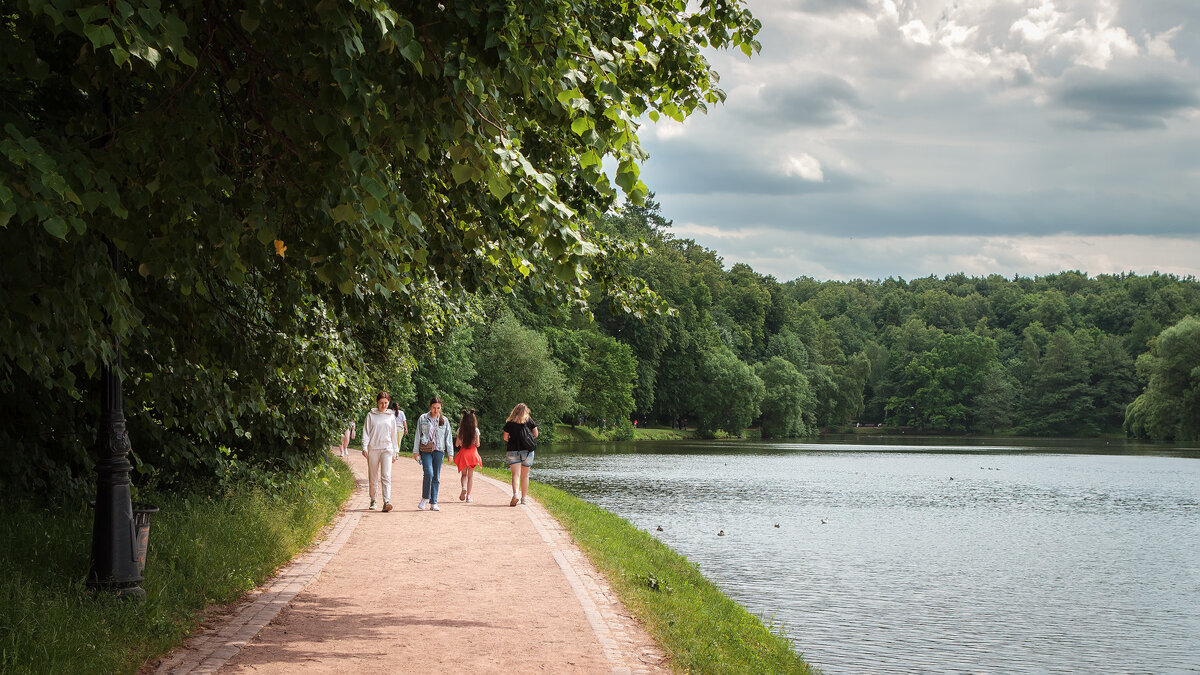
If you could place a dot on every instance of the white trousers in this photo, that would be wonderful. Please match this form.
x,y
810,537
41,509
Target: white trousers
x,y
379,470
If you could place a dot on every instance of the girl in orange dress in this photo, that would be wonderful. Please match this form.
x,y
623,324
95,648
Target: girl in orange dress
x,y
467,458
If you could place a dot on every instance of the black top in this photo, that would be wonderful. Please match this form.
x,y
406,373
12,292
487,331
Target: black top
x,y
513,429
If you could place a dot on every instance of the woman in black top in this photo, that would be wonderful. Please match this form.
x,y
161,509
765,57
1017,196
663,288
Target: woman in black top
x,y
520,433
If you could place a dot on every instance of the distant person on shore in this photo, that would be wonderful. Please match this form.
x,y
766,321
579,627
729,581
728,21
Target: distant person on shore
x,y
379,447
467,459
520,433
347,436
434,440
401,425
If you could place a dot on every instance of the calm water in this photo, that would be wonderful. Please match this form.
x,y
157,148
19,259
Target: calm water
x,y
925,557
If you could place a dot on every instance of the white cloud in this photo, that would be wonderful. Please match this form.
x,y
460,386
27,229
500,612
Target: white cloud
x,y
708,233
966,121
804,166
916,31
1159,46
786,255
666,128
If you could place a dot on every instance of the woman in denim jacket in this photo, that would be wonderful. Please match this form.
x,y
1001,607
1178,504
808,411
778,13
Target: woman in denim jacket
x,y
432,427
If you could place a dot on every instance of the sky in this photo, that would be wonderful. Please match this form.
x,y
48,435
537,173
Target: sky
x,y
907,138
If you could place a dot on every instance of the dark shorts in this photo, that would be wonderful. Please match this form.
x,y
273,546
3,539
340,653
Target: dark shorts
x,y
522,457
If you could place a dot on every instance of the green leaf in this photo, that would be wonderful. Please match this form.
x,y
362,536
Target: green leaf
x,y
499,185
186,57
99,35
151,16
90,14
56,226
569,95
582,124
463,173
344,213
249,23
373,186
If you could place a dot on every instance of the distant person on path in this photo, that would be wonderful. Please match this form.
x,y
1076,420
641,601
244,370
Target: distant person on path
x,y
347,435
467,459
379,447
401,425
520,433
434,440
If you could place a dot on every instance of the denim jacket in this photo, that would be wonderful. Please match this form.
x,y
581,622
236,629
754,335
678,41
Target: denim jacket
x,y
443,436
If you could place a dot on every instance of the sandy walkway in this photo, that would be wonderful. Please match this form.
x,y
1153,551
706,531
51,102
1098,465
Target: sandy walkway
x,y
478,587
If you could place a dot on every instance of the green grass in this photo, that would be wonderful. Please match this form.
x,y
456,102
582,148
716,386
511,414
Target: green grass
x,y
565,433
662,434
701,629
204,550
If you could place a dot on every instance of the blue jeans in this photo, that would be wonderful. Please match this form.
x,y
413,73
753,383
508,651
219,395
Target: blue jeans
x,y
431,478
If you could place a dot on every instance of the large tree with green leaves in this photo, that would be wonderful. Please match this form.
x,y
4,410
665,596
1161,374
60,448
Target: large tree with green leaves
x,y
788,408
730,396
332,174
1169,408
514,365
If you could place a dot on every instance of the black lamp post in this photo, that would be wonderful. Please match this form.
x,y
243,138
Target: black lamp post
x,y
117,543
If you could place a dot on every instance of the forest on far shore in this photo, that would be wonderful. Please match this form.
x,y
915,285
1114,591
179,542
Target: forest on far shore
x,y
1064,354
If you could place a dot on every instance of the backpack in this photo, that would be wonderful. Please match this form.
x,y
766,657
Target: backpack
x,y
526,442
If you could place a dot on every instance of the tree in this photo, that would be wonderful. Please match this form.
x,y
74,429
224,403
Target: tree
x,y
731,397
607,377
1059,398
1169,408
939,385
788,408
514,365
351,170
445,369
996,401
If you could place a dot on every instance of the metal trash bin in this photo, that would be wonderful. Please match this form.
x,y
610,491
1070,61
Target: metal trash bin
x,y
141,529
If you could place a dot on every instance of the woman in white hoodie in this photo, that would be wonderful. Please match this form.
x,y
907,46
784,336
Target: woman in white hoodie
x,y
379,447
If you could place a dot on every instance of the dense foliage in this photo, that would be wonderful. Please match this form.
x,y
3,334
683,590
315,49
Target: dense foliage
x,y
1170,406
301,196
1052,355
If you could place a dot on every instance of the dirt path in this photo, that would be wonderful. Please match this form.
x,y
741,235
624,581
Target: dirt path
x,y
477,587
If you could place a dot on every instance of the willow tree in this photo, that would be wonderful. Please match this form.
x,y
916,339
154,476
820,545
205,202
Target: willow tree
x,y
290,184
1169,408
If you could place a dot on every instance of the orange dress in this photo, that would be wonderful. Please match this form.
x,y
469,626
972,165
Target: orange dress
x,y
468,456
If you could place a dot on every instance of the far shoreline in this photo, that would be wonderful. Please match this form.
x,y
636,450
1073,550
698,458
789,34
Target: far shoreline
x,y
566,434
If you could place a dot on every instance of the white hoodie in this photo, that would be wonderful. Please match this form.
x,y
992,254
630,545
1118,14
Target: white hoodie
x,y
379,430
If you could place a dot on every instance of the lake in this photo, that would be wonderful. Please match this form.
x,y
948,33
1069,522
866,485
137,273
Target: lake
x,y
929,555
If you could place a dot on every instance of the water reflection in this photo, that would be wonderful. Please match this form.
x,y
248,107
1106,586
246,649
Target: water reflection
x,y
956,557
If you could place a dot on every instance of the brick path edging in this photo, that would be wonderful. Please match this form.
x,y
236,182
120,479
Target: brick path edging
x,y
212,648
614,627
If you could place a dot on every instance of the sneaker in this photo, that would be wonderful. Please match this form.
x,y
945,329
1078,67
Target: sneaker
x,y
469,500
434,508
522,500
515,500
462,496
372,506
387,506
421,504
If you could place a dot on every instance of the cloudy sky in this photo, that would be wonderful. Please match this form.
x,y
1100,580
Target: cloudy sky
x,y
877,138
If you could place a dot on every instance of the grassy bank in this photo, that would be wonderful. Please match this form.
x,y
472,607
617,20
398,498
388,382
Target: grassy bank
x,y
205,549
700,628
565,433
